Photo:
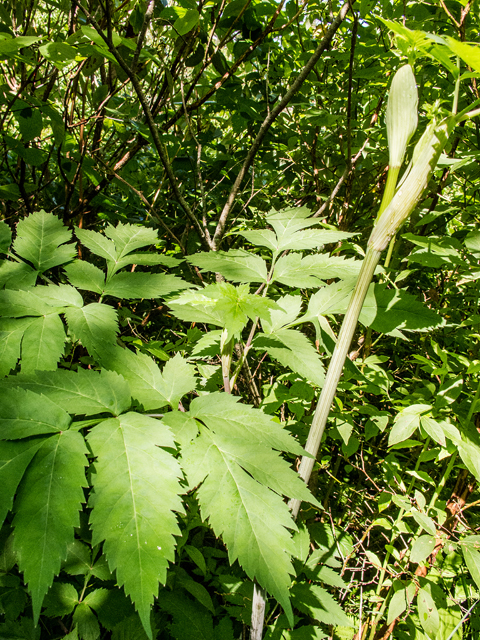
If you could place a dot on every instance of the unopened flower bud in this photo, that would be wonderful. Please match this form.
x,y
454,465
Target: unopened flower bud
x,y
402,114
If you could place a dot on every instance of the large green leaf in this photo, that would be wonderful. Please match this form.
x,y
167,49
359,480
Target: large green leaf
x,y
5,236
39,240
143,285
28,302
319,604
85,275
128,237
24,413
242,481
95,325
225,414
223,305
292,349
252,519
11,334
42,344
15,456
391,310
97,243
149,386
136,492
311,271
328,300
289,310
236,265
46,510
84,392
17,275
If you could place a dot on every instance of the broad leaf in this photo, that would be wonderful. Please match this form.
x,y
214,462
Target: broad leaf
x,y
319,604
28,302
150,387
24,413
389,310
85,275
256,530
223,305
39,239
226,415
17,275
427,612
148,259
128,237
97,243
95,325
15,456
406,423
5,236
182,425
329,300
11,334
43,343
84,392
46,510
178,379
289,310
292,349
143,285
136,493
470,547
236,265
422,548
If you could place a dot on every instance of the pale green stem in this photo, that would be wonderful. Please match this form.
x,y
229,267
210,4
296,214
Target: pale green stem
x,y
226,349
335,369
389,192
456,92
389,252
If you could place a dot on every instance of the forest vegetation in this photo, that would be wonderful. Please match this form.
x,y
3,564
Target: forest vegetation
x,y
239,326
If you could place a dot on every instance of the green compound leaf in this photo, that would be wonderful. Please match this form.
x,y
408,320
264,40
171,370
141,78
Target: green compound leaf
x,y
252,520
242,480
136,493
95,325
17,275
227,416
14,459
319,604
223,305
60,600
143,285
85,275
236,265
39,239
98,244
46,510
43,343
128,237
11,334
148,259
289,310
29,302
293,349
190,619
84,392
24,414
149,386
5,237
390,310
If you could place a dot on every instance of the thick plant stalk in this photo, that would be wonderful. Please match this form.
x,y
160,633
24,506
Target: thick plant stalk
x,y
336,367
402,204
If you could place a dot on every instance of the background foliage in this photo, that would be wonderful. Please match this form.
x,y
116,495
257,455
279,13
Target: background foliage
x,y
186,192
